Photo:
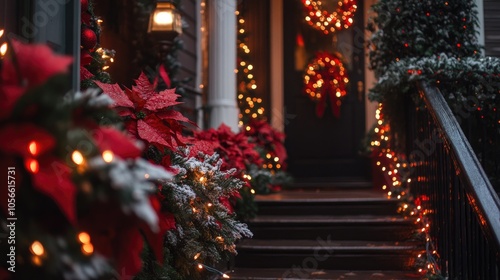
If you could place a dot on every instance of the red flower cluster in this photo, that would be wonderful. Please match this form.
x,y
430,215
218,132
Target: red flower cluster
x,y
234,148
267,138
39,144
149,114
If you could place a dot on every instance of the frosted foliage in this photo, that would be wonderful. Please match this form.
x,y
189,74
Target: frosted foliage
x,y
134,178
92,269
91,97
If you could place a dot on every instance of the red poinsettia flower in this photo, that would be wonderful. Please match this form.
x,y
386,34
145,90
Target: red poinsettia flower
x,y
268,139
32,66
235,149
115,236
166,223
108,138
149,114
51,176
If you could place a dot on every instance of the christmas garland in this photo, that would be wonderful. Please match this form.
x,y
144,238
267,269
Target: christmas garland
x,y
329,22
326,76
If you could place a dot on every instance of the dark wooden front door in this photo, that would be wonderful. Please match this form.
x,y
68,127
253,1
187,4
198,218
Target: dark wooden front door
x,y
327,148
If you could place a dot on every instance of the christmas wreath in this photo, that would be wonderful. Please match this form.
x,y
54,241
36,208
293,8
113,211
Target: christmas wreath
x,y
326,76
321,19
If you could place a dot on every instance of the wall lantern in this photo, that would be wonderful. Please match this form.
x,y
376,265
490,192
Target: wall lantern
x,y
165,21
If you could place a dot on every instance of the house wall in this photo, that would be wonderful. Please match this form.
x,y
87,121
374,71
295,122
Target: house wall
x,y
370,80
492,27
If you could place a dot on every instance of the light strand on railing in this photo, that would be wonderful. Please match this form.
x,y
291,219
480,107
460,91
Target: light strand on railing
x,y
397,185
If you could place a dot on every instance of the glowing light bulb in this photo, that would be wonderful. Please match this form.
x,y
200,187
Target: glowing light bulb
x,y
197,256
87,248
164,18
107,156
37,248
32,165
77,157
3,49
225,276
252,191
33,148
84,237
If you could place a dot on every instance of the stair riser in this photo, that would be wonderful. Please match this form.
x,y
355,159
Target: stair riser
x,y
308,262
338,232
332,209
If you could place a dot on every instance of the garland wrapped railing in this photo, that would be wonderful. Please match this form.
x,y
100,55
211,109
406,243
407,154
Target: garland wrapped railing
x,y
461,202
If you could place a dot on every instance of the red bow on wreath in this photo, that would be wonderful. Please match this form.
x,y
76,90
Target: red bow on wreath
x,y
326,76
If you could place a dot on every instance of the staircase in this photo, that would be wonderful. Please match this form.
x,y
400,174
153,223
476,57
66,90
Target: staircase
x,y
326,234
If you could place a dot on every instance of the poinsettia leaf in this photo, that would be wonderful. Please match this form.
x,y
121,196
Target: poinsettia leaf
x,y
164,76
166,222
120,144
127,247
116,93
54,180
162,100
149,132
143,87
203,146
35,63
9,96
136,99
85,74
174,115
30,140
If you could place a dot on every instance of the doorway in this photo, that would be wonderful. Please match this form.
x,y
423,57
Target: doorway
x,y
327,148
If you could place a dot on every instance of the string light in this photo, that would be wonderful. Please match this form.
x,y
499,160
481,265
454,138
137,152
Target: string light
x,y
251,108
33,148
107,156
213,270
3,49
37,248
77,157
32,165
84,237
87,249
390,166
325,21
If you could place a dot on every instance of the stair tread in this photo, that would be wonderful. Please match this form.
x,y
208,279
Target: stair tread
x,y
274,274
305,245
307,196
320,219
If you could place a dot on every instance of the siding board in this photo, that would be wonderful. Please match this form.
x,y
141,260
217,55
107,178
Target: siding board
x,y
492,27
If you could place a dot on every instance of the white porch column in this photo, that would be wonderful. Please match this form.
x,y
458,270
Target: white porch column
x,y
277,113
480,28
222,63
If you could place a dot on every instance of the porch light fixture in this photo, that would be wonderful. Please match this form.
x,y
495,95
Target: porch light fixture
x,y
165,21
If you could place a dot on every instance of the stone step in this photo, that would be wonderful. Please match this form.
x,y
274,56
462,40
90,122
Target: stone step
x,y
330,202
286,274
357,227
324,254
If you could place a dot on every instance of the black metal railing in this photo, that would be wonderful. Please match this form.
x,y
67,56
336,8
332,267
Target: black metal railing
x,y
462,204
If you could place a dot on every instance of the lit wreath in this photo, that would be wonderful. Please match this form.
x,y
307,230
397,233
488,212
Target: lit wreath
x,y
330,22
326,77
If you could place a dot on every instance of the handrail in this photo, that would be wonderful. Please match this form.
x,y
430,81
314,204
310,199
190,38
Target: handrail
x,y
464,205
485,197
